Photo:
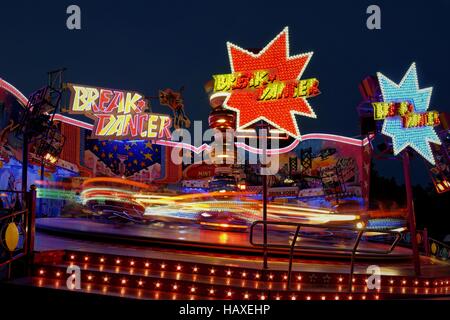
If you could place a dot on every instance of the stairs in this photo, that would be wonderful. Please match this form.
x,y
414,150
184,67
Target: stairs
x,y
149,278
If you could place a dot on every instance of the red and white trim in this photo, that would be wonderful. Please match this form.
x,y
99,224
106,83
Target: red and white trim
x,y
14,91
85,125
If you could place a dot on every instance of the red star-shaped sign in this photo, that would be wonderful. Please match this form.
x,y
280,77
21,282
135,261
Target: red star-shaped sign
x,y
275,58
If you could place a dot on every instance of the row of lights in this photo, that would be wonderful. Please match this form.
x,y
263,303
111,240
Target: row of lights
x,y
425,283
404,282
245,295
229,272
195,269
194,278
228,293
416,291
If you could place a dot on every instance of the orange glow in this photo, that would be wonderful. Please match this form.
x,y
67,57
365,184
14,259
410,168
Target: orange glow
x,y
223,225
107,180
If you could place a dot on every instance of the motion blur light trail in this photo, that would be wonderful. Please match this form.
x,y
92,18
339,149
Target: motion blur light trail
x,y
55,194
138,201
189,206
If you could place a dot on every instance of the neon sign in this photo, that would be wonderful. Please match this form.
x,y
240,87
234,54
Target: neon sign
x,y
412,120
118,114
404,109
405,116
204,147
267,86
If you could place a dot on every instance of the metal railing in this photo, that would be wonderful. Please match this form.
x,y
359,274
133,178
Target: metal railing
x,y
353,250
20,243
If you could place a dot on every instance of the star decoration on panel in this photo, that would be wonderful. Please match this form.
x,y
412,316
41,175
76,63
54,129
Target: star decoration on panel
x,y
125,157
406,117
267,86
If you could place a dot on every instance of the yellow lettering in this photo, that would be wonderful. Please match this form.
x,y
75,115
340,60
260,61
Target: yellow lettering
x,y
403,108
302,89
258,79
224,82
117,127
380,110
92,96
272,91
130,102
152,128
120,104
79,101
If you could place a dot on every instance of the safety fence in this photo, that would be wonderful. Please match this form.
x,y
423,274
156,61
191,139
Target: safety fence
x,y
17,224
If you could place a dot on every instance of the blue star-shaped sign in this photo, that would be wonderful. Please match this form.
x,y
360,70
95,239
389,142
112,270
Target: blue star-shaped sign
x,y
418,138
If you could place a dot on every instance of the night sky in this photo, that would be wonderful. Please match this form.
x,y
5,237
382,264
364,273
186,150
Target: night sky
x,y
151,45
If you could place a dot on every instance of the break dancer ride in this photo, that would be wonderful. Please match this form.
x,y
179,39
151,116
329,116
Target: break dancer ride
x,y
141,226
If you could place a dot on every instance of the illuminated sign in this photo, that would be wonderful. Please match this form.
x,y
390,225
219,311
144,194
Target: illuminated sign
x,y
406,119
118,114
404,109
283,192
267,86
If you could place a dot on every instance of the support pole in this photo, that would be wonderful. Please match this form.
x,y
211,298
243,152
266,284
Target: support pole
x,y
264,182
411,214
42,184
25,164
31,226
31,207
263,127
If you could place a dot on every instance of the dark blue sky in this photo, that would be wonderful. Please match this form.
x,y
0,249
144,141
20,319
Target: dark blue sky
x,y
148,45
